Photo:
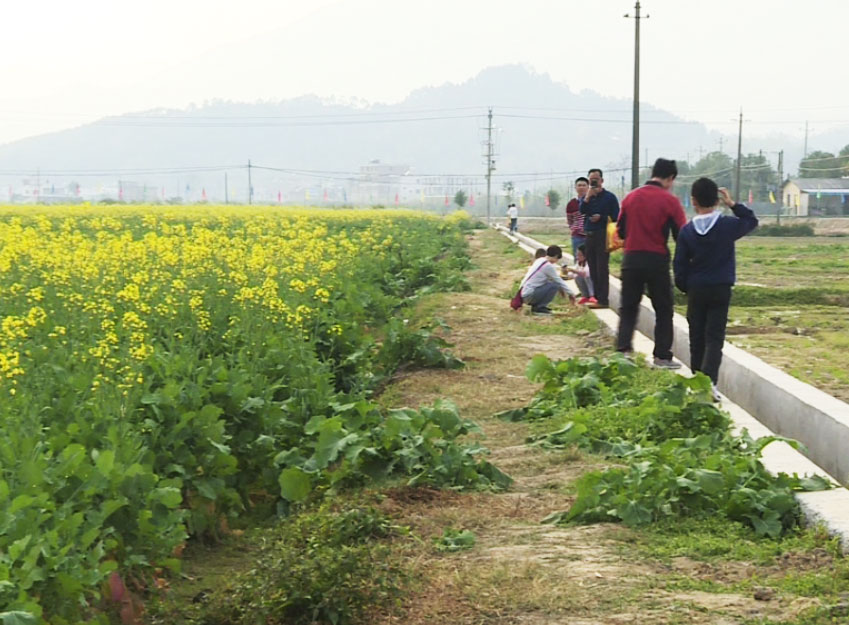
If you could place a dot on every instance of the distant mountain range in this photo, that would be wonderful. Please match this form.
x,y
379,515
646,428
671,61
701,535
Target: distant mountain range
x,y
544,132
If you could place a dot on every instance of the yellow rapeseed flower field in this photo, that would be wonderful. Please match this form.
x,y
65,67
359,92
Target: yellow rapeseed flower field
x,y
160,365
113,278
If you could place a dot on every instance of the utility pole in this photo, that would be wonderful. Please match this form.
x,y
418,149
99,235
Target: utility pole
x,y
739,157
250,184
490,164
635,142
226,195
780,187
805,151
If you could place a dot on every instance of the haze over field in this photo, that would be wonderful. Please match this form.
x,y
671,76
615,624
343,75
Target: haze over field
x,y
226,82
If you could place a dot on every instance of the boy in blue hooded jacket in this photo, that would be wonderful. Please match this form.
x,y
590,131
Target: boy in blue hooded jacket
x,y
704,268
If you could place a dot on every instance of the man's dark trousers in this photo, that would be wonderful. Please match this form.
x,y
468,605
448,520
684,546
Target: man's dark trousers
x,y
598,259
707,314
643,270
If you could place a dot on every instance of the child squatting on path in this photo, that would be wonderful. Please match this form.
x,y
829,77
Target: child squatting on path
x,y
542,282
580,272
704,267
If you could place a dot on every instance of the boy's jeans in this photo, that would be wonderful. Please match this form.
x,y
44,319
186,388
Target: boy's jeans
x,y
576,241
707,314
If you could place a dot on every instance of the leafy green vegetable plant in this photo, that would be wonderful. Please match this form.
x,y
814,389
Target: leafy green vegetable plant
x,y
454,540
675,453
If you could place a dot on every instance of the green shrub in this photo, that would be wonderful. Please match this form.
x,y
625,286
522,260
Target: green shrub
x,y
793,230
323,566
421,347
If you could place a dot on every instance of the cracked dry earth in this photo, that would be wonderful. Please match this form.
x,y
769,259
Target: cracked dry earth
x,y
521,571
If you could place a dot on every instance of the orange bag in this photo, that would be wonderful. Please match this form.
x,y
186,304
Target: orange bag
x,y
613,241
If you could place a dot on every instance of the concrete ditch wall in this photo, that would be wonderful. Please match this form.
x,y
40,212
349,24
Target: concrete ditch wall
x,y
782,403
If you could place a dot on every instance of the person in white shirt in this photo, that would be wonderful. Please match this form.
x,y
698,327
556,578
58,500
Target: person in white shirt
x,y
542,282
513,214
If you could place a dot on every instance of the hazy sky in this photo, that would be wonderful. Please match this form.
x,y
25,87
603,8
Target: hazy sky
x,y
63,63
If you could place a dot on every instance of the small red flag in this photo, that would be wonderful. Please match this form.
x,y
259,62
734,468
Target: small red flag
x,y
446,200
547,200
279,197
751,197
472,200
203,193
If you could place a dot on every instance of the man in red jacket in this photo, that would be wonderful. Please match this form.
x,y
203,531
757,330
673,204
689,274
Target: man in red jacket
x,y
649,215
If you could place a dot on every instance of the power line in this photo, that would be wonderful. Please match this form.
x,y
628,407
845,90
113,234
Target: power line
x,y
154,123
644,110
120,172
319,173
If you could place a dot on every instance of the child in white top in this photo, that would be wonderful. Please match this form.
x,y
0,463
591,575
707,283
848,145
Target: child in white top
x,y
580,272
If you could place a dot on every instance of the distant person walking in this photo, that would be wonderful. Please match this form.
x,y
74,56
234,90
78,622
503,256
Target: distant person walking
x,y
705,269
513,214
649,215
574,217
599,206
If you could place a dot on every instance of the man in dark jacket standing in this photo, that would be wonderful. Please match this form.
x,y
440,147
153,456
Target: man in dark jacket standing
x,y
705,270
649,215
598,206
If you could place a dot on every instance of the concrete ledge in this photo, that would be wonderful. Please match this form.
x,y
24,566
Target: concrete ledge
x,y
828,508
775,403
517,240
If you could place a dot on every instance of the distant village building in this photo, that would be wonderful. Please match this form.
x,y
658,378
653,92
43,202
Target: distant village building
x,y
380,183
388,184
816,197
35,191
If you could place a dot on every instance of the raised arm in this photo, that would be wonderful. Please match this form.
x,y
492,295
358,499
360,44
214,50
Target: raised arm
x,y
746,220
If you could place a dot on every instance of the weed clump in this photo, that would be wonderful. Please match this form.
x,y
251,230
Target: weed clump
x,y
327,565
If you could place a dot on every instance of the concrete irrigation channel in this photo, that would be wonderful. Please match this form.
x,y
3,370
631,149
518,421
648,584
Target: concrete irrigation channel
x,y
765,401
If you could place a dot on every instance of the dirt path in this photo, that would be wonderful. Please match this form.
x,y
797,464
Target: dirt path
x,y
521,571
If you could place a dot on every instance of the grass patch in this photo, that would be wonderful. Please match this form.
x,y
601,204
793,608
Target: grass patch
x,y
793,230
714,539
568,320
